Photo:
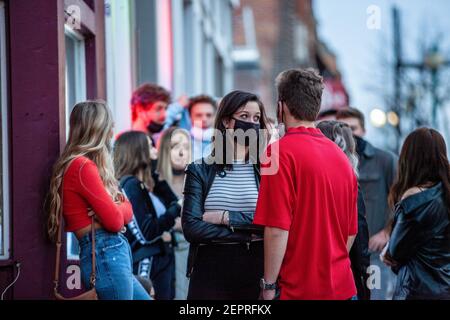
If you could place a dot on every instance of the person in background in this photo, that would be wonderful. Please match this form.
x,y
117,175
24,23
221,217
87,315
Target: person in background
x,y
220,194
155,209
376,175
83,183
341,134
178,114
202,110
419,247
149,105
327,115
308,207
174,155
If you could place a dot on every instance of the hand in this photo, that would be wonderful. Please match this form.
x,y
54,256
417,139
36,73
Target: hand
x,y
177,226
184,100
214,217
267,294
386,258
378,241
166,236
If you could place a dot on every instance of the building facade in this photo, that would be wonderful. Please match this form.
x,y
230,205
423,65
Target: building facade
x,y
274,35
56,53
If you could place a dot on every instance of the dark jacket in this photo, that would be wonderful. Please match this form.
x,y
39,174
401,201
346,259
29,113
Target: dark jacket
x,y
359,254
199,179
420,244
376,174
151,227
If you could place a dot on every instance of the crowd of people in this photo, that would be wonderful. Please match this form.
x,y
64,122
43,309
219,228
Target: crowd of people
x,y
206,199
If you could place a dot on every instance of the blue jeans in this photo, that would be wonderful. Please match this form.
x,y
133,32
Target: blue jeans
x,y
114,273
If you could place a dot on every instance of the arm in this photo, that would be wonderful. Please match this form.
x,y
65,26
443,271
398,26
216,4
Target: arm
x,y
194,228
405,239
274,211
174,112
167,220
275,243
112,216
350,241
144,216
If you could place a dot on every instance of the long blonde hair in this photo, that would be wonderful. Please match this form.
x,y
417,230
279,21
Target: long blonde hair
x,y
91,125
164,153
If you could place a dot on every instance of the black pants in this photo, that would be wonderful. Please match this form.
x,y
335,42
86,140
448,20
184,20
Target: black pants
x,y
163,275
227,272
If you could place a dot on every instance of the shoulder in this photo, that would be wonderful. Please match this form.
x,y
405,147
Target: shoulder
x,y
410,192
80,163
199,167
129,182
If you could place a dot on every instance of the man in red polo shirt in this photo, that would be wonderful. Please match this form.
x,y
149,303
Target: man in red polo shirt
x,y
309,205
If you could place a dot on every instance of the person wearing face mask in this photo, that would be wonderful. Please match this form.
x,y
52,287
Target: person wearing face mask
x,y
155,210
220,194
202,110
377,174
149,105
308,205
174,154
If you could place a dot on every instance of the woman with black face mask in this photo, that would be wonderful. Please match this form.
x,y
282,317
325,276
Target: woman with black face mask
x,y
226,253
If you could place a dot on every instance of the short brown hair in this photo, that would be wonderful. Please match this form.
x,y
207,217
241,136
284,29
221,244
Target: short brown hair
x,y
201,99
301,91
148,94
352,113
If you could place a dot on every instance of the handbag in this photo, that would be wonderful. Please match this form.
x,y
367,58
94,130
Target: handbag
x,y
90,294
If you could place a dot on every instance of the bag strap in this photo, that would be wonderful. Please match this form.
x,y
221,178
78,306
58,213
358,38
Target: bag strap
x,y
59,241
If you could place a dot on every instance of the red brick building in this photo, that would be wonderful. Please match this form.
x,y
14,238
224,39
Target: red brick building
x,y
274,35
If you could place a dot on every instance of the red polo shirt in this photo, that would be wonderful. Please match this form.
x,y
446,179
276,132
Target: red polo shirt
x,y
313,195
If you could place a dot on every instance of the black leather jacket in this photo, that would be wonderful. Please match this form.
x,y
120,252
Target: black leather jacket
x,y
199,179
420,244
149,224
359,254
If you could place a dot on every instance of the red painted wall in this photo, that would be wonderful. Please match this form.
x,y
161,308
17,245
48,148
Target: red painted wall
x,y
34,140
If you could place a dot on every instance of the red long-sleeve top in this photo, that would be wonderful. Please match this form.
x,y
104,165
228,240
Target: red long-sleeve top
x,y
83,190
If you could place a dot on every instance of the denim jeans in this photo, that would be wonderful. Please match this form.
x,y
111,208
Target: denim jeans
x,y
114,273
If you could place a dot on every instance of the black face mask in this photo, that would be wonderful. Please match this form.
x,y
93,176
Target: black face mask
x,y
245,126
360,145
155,127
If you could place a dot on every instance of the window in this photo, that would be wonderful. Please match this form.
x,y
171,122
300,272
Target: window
x,y
75,92
4,179
146,49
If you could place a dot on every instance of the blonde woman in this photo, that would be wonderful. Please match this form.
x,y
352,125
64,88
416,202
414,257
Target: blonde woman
x,y
83,183
174,156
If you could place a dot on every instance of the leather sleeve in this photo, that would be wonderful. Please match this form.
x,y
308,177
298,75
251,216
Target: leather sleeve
x,y
194,228
406,237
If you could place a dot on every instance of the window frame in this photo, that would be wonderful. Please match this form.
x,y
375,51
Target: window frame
x,y
5,226
79,95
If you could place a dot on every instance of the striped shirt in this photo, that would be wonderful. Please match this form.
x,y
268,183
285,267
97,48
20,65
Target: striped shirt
x,y
236,191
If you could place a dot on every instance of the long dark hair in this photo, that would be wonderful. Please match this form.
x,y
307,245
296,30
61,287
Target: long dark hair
x,y
132,156
423,161
229,105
